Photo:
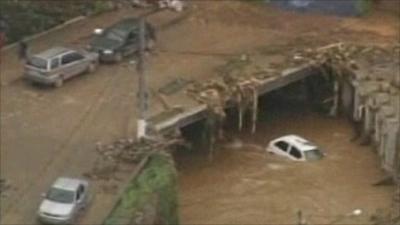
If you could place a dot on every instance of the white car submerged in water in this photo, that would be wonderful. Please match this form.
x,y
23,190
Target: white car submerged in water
x,y
66,198
295,148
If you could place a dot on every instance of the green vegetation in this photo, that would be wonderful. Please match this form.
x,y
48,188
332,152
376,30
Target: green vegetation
x,y
25,18
363,6
156,181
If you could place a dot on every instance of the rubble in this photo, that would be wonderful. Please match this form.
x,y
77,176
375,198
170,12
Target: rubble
x,y
176,5
4,187
129,151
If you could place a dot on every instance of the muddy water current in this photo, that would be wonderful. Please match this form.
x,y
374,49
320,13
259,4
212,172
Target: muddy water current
x,y
244,185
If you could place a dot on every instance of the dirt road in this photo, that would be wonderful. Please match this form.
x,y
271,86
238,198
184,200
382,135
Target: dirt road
x,y
46,133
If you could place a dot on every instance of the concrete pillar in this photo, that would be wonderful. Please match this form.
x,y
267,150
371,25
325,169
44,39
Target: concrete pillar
x,y
395,102
368,120
347,98
357,106
382,108
336,89
396,76
366,90
388,144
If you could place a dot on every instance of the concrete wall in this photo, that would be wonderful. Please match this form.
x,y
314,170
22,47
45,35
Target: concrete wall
x,y
377,106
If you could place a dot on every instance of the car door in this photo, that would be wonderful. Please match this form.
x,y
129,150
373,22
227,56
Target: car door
x,y
81,196
132,43
296,154
73,63
55,66
281,148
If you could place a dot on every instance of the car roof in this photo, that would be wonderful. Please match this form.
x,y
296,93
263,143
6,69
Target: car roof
x,y
50,53
67,183
299,142
126,24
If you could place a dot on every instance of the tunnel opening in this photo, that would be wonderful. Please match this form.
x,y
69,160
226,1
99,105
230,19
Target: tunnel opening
x,y
312,95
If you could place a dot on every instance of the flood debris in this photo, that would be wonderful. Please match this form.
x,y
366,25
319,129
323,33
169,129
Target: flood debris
x,y
5,186
386,217
128,151
174,86
232,89
176,5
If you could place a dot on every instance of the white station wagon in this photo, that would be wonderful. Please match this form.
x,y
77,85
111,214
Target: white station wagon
x,y
64,201
58,64
295,148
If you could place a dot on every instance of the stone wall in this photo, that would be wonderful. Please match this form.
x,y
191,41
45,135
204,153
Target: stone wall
x,y
377,108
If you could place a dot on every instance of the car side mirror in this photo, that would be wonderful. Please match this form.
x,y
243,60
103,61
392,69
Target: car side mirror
x,y
98,31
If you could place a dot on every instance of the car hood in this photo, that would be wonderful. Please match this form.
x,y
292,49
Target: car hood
x,y
55,208
102,43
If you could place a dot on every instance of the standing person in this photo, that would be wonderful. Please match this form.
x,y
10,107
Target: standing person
x,y
22,50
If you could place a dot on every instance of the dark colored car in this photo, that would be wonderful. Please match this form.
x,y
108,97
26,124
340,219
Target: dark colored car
x,y
121,39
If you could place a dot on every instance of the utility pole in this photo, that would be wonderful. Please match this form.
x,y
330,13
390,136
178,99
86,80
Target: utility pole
x,y
300,218
396,178
142,90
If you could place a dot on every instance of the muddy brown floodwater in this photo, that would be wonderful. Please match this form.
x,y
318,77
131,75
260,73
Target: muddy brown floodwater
x,y
243,185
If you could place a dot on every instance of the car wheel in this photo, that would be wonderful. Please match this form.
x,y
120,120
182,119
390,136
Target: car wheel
x,y
59,82
118,57
92,67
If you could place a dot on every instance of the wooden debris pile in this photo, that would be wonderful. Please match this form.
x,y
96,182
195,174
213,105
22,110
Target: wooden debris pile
x,y
129,151
237,86
344,56
238,83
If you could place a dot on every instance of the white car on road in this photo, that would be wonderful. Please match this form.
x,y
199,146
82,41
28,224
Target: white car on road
x,y
295,148
66,198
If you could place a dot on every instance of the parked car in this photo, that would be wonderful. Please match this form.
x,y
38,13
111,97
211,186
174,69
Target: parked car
x,y
64,201
58,64
120,39
295,148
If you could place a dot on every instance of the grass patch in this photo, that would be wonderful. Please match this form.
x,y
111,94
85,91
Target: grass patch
x,y
364,7
25,18
158,178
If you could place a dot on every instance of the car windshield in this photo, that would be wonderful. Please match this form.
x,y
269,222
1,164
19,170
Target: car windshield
x,y
60,195
313,155
114,35
37,62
